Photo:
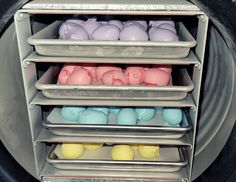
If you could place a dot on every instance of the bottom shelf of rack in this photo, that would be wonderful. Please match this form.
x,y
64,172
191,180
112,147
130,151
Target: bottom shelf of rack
x,y
52,174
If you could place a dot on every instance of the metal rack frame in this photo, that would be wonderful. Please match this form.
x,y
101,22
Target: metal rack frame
x,y
35,99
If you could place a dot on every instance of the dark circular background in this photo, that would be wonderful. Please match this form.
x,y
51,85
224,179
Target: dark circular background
x,y
223,15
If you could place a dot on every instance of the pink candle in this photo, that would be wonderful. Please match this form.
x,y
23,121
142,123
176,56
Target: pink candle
x,y
155,76
101,70
134,75
115,77
65,72
80,76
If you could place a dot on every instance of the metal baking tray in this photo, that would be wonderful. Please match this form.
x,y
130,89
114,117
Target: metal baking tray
x,y
46,43
155,128
48,84
171,159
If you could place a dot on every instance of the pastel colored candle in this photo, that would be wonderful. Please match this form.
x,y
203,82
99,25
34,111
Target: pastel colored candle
x,y
166,68
91,68
172,116
155,76
79,77
145,113
65,72
106,32
134,75
127,116
100,70
133,32
160,34
116,77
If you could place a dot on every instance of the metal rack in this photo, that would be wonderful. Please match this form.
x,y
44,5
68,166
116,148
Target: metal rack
x,y
35,98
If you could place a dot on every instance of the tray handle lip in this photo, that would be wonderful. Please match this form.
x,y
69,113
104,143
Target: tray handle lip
x,y
55,70
111,43
188,81
160,128
34,57
183,160
34,40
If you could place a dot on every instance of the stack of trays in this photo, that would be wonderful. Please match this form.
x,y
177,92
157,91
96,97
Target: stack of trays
x,y
172,158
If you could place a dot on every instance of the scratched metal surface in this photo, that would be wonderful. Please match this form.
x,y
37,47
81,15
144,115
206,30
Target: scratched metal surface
x,y
170,5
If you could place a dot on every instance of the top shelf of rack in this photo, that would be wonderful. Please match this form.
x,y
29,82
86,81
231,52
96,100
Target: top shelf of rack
x,y
116,5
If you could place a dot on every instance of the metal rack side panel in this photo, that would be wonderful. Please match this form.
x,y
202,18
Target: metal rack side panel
x,y
197,77
23,30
